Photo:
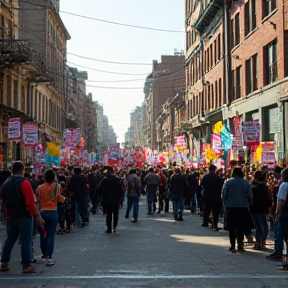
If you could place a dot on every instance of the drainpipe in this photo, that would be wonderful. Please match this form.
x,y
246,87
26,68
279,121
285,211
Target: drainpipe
x,y
227,52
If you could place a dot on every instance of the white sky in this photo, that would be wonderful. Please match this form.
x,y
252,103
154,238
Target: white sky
x,y
117,43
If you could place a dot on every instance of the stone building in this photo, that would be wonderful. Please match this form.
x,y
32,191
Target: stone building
x,y
32,71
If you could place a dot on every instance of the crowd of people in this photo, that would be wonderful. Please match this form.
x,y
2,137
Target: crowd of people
x,y
251,200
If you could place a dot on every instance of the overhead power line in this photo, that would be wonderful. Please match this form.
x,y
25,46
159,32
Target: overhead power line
x,y
110,72
106,61
122,24
106,21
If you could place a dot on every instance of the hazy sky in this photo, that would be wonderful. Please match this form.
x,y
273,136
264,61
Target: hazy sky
x,y
116,43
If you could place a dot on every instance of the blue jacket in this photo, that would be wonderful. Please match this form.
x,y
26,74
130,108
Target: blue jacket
x,y
237,192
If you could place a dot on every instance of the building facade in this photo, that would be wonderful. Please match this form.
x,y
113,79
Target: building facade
x,y
166,80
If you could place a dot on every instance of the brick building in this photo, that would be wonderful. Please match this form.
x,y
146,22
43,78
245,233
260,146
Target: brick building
x,y
166,80
237,66
259,43
205,68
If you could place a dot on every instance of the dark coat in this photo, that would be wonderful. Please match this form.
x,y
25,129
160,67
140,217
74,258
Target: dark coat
x,y
178,185
78,185
261,200
212,184
110,190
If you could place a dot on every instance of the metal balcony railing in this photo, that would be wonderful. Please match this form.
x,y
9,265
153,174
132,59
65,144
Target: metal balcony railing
x,y
18,52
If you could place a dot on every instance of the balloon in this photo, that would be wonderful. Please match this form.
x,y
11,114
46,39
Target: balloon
x,y
53,149
217,129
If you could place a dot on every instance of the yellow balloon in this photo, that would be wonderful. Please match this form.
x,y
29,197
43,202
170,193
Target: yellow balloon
x,y
217,129
53,149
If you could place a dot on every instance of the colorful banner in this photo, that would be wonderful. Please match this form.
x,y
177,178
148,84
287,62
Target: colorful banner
x,y
268,154
216,143
251,132
30,134
72,137
14,129
114,152
237,137
180,141
39,154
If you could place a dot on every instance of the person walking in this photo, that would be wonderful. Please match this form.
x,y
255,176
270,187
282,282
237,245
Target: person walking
x,y
19,206
212,186
152,182
236,196
133,194
110,191
49,194
178,186
281,219
162,189
78,185
259,209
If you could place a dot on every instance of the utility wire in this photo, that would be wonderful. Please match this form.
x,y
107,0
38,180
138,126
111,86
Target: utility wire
x,y
105,71
122,24
107,21
105,61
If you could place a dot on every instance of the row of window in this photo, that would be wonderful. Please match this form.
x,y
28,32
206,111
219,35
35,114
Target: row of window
x,y
36,105
250,19
211,98
269,68
211,56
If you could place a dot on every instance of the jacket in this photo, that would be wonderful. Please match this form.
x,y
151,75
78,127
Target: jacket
x,y
110,190
237,192
178,186
13,198
152,179
261,201
212,185
78,185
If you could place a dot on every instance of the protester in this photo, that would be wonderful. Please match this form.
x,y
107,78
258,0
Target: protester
x,y
178,186
162,189
49,194
212,186
133,194
237,196
281,218
110,191
152,183
19,206
259,209
79,187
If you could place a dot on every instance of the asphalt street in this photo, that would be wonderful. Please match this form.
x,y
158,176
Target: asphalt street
x,y
155,252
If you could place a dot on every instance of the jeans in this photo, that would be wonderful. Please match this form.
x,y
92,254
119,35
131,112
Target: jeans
x,y
177,206
135,204
278,244
193,204
83,209
259,220
19,227
47,243
129,205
